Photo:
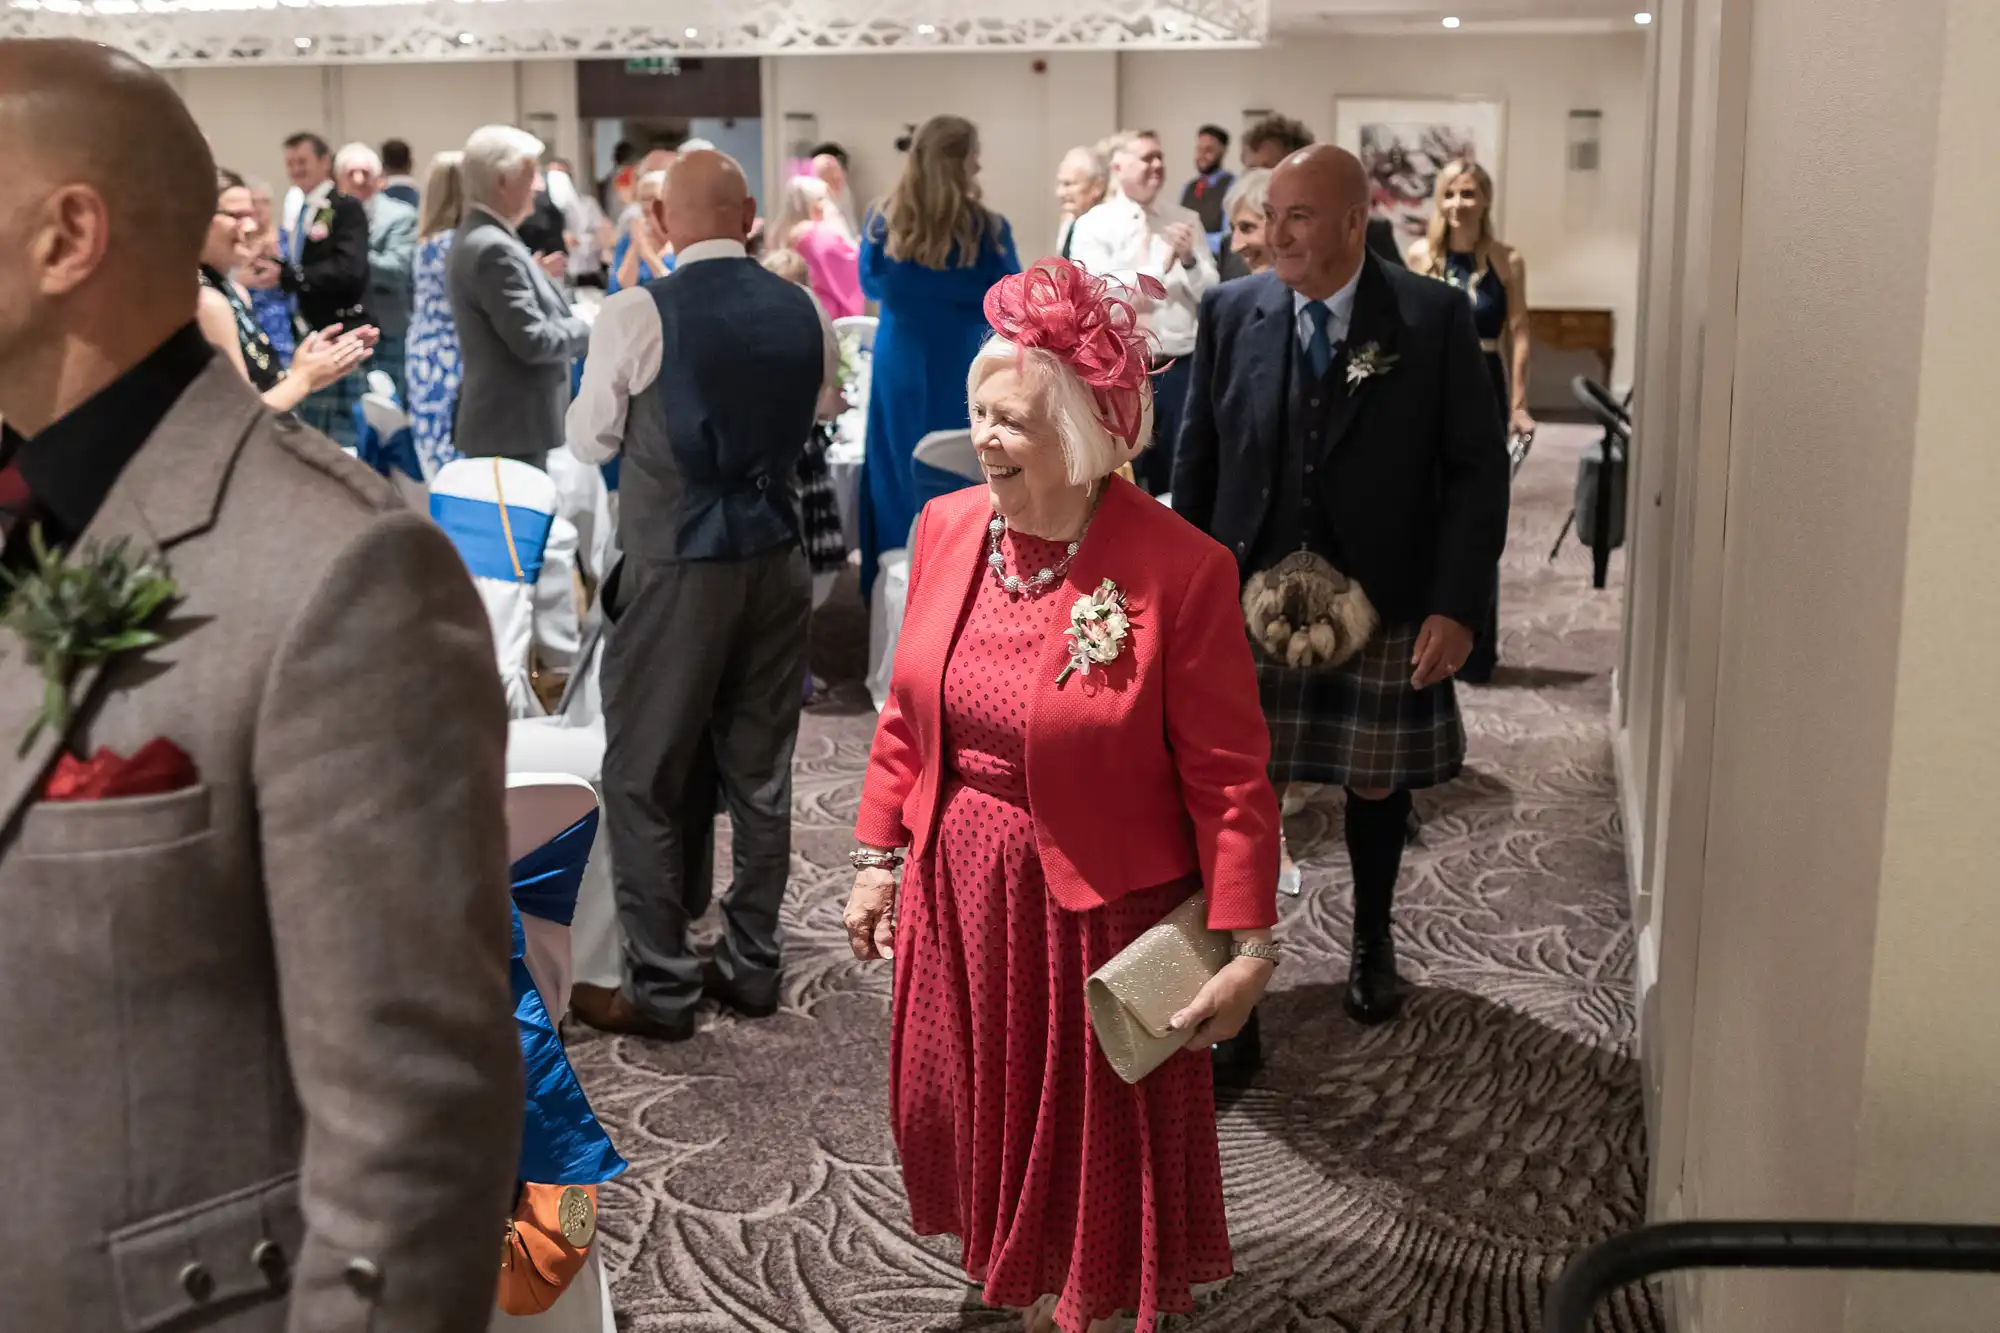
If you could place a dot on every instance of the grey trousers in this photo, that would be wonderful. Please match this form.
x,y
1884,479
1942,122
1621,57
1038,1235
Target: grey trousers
x,y
704,675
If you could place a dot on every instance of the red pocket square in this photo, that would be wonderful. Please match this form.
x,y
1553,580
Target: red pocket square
x,y
159,767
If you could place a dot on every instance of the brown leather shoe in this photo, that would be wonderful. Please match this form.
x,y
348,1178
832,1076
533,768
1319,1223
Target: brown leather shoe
x,y
607,1009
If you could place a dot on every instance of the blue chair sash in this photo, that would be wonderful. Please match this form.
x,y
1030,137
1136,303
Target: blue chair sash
x,y
562,1142
474,528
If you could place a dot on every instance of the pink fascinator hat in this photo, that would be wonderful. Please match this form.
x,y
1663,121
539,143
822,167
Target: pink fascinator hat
x,y
1061,308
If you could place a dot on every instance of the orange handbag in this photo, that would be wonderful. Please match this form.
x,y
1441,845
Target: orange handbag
x,y
548,1240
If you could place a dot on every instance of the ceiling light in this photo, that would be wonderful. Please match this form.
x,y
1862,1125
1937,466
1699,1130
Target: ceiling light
x,y
926,29
692,33
1642,19
1451,23
303,43
1171,26
466,39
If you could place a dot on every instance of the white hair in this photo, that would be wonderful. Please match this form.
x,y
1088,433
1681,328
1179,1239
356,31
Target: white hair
x,y
656,181
357,157
1093,162
1090,451
697,146
1249,191
494,152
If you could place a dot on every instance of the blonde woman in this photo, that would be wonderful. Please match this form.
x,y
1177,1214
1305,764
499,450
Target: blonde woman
x,y
1462,250
806,224
643,252
431,365
929,252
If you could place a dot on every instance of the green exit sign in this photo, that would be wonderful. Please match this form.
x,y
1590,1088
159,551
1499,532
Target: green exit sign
x,y
653,65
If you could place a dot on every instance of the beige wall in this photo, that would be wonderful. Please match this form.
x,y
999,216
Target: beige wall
x,y
1823,1024
1580,235
1027,120
247,112
1929,1137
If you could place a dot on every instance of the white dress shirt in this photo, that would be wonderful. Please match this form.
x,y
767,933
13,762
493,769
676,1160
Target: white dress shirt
x,y
299,207
624,360
1342,303
1120,240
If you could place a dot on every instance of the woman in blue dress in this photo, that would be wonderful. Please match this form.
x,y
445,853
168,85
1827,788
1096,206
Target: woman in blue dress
x,y
1461,249
431,362
928,255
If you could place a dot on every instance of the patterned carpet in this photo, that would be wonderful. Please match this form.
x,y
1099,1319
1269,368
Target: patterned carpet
x,y
1429,1176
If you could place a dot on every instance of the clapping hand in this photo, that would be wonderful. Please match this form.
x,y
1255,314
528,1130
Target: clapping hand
x,y
1442,647
555,265
326,356
1182,237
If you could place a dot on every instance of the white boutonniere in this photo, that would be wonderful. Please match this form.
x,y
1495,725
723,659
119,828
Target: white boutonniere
x,y
322,224
1097,630
1368,362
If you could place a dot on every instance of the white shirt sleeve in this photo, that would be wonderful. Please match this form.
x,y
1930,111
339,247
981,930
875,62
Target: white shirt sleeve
x,y
624,360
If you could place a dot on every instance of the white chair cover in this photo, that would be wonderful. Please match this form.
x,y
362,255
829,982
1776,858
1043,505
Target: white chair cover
x,y
381,383
585,501
950,451
885,621
381,411
465,499
566,745
541,805
858,329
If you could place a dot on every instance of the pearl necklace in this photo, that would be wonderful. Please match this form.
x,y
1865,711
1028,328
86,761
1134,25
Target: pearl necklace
x,y
1042,579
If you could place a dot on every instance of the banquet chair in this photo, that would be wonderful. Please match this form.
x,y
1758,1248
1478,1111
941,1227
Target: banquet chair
x,y
859,328
572,742
551,827
885,616
499,513
381,383
387,445
950,451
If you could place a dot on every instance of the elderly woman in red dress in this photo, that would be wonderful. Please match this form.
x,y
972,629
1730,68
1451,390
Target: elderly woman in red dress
x,y
1054,805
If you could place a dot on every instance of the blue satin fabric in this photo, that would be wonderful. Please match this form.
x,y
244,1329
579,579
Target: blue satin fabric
x,y
562,1142
474,528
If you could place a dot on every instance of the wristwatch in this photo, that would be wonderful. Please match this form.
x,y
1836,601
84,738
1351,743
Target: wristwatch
x,y
1270,953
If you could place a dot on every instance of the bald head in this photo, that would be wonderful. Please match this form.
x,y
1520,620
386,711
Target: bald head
x,y
707,199
1316,219
110,191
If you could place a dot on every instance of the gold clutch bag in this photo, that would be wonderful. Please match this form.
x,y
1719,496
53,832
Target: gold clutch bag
x,y
1153,978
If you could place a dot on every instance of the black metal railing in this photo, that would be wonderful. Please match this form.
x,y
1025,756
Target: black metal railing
x,y
1672,1246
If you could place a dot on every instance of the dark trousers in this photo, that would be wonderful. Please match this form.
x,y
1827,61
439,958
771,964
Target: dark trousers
x,y
703,664
1155,467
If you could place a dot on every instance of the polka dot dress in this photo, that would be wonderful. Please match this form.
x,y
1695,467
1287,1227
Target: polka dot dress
x,y
1015,1135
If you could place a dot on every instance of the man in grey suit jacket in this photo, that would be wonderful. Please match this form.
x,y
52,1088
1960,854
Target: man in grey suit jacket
x,y
516,335
392,253
260,1058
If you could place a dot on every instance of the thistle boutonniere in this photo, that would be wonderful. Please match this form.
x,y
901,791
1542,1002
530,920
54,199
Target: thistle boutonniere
x,y
74,614
1368,362
1097,630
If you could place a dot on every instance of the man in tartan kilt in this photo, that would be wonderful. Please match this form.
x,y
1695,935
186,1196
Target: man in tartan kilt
x,y
1339,406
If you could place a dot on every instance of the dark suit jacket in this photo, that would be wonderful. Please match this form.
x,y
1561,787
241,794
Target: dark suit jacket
x,y
330,278
1382,242
1418,456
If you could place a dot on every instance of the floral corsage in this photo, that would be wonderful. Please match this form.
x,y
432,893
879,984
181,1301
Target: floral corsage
x,y
1098,628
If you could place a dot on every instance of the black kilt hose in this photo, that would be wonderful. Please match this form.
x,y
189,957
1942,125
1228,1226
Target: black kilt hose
x,y
1361,724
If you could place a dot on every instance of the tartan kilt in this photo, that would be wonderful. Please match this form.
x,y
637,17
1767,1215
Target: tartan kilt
x,y
1361,724
819,508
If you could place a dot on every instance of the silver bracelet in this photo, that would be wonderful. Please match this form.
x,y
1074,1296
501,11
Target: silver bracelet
x,y
870,858
1270,953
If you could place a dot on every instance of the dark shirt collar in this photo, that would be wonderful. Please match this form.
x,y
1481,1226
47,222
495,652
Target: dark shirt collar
x,y
70,466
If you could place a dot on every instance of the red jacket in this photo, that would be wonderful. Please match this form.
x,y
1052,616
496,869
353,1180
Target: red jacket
x,y
1141,772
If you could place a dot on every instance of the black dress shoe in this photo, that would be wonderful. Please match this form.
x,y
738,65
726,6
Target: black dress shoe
x,y
1237,1059
760,1004
1374,992
607,1009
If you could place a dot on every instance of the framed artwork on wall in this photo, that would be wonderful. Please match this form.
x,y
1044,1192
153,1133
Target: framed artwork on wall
x,y
1405,141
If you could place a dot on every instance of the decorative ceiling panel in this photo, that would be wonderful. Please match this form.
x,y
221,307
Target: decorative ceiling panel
x,y
240,32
